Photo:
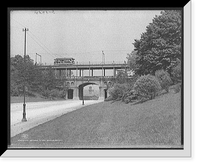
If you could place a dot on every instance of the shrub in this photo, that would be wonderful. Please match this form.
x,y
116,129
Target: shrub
x,y
109,98
121,77
130,96
176,73
175,88
147,87
62,94
46,93
54,93
117,91
164,79
14,91
30,94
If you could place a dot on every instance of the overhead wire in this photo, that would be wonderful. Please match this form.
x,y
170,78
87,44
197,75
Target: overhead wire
x,y
38,41
55,55
18,22
42,46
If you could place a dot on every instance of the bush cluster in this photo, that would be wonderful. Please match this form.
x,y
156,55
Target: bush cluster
x,y
141,89
147,87
176,73
164,79
117,91
175,88
130,96
54,93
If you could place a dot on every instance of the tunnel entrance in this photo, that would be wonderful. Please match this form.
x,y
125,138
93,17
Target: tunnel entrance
x,y
87,92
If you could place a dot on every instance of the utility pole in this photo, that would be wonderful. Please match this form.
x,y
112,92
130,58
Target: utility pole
x,y
24,90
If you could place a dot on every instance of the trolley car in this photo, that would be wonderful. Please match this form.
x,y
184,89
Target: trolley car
x,y
64,61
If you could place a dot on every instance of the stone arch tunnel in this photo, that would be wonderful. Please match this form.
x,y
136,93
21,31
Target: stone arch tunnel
x,y
81,87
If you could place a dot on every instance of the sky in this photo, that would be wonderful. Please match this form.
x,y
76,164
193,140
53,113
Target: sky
x,y
81,34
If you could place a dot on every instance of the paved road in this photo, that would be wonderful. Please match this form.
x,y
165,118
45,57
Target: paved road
x,y
41,112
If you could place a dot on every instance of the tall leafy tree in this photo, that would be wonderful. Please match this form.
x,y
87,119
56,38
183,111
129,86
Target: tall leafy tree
x,y
24,72
37,80
48,80
21,72
121,77
160,46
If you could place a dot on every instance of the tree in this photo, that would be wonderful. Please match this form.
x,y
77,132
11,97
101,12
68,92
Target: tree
x,y
49,79
164,79
147,87
21,73
121,77
160,46
177,72
39,81
132,61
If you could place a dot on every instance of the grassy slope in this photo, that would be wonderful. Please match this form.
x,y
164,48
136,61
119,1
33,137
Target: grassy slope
x,y
153,123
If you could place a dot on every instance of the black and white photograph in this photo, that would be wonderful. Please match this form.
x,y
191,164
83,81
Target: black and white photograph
x,y
97,79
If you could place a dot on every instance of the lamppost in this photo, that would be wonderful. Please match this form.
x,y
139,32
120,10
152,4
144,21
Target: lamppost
x,y
83,101
83,89
24,88
83,97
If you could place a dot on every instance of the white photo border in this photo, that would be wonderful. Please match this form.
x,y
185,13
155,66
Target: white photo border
x,y
170,153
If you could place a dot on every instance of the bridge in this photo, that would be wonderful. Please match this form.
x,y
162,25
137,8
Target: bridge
x,y
75,79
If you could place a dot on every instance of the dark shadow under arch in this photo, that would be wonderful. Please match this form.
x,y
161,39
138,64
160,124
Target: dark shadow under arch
x,y
80,89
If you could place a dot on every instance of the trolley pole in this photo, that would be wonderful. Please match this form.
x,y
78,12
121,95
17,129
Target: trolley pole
x,y
40,58
24,90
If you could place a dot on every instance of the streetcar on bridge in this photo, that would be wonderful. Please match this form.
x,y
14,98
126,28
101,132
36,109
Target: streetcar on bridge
x,y
64,61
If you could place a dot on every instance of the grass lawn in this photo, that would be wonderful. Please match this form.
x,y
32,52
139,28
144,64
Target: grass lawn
x,y
155,123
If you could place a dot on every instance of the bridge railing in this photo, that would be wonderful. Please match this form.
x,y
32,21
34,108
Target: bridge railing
x,y
100,63
85,77
88,63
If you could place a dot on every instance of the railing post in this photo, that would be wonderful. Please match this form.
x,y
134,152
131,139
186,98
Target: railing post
x,y
89,68
80,72
92,72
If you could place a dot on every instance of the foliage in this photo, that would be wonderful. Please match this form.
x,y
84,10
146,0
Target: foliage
x,y
164,79
147,87
132,60
123,91
131,81
44,82
15,90
117,91
62,93
175,88
130,96
54,93
21,72
48,79
46,93
176,72
160,46
121,77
